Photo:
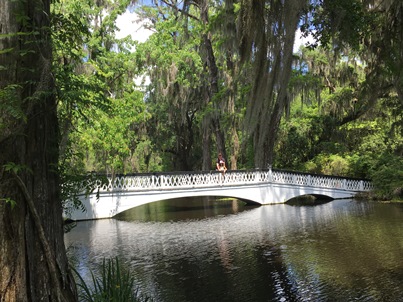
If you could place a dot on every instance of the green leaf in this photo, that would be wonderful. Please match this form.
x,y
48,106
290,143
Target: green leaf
x,y
3,51
15,168
10,201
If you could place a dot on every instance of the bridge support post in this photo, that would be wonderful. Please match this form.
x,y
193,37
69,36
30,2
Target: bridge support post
x,y
162,181
270,174
257,176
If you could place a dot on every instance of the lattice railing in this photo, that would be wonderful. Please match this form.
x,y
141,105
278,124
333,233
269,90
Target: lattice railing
x,y
168,181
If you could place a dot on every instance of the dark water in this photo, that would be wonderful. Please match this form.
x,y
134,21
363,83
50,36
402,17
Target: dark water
x,y
215,250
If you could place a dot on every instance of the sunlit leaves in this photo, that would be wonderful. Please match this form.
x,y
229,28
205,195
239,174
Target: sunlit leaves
x,y
110,138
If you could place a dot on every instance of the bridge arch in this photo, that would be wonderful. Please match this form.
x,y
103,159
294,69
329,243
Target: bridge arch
x,y
198,203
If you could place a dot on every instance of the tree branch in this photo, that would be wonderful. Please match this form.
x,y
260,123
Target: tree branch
x,y
50,259
180,10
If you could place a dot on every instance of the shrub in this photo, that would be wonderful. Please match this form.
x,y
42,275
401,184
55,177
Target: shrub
x,y
114,284
388,181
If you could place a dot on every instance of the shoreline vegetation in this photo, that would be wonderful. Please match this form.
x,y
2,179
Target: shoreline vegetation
x,y
373,196
115,283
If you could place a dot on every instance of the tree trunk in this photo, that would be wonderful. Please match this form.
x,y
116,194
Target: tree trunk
x,y
212,70
206,164
33,261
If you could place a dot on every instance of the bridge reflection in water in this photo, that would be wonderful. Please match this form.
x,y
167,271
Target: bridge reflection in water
x,y
121,193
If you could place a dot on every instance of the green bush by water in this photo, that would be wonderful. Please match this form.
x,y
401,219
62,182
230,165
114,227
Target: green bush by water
x,y
115,284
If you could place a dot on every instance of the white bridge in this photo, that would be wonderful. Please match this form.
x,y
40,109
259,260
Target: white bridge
x,y
121,193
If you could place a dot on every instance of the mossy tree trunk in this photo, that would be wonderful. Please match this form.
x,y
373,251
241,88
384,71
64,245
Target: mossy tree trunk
x,y
33,262
213,119
267,32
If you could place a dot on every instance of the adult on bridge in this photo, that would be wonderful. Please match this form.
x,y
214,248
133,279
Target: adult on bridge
x,y
220,164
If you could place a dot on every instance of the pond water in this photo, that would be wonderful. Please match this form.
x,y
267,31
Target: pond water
x,y
207,249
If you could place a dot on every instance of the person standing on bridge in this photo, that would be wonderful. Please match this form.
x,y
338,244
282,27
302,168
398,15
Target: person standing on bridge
x,y
220,164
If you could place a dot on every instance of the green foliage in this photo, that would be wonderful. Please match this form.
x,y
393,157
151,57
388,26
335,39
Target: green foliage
x,y
323,134
333,126
387,177
10,201
339,22
10,104
114,284
360,165
101,112
340,102
175,97
110,140
16,168
332,164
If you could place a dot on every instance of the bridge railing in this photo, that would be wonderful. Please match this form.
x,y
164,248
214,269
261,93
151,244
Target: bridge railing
x,y
177,180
